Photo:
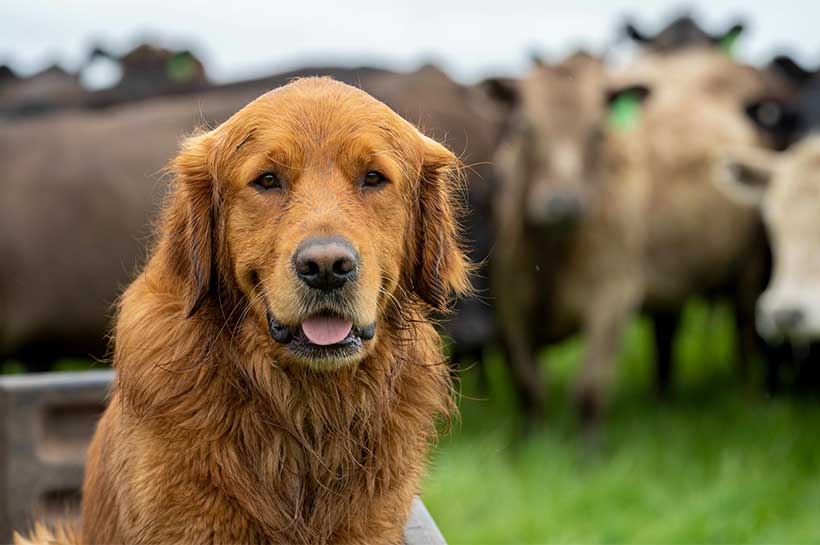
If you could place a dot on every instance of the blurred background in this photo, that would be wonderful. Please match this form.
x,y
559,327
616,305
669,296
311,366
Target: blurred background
x,y
470,40
640,363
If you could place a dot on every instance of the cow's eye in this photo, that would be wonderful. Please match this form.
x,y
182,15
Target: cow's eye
x,y
268,180
374,179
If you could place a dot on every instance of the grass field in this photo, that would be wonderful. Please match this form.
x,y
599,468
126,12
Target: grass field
x,y
715,464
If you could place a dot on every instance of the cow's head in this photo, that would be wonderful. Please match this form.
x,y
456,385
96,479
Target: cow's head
x,y
553,153
786,187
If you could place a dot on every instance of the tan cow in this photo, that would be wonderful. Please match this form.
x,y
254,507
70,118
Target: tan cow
x,y
650,230
786,187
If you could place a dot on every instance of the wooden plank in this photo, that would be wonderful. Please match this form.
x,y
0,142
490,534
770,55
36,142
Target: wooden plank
x,y
421,529
46,423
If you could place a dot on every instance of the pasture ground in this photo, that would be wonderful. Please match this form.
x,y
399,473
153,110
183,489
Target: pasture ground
x,y
717,463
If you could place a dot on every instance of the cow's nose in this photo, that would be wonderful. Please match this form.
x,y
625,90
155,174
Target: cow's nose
x,y
563,208
560,209
787,319
325,263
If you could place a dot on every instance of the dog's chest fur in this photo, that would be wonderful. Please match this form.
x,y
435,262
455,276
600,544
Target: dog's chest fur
x,y
290,455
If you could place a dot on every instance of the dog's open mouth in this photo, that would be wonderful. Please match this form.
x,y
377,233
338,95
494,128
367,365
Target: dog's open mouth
x,y
322,336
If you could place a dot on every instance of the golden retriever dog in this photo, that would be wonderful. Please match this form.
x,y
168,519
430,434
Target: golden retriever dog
x,y
278,377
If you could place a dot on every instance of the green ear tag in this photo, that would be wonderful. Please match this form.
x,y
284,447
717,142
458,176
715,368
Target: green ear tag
x,y
727,43
624,111
180,68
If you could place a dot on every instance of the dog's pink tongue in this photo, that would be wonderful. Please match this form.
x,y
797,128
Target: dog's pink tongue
x,y
324,330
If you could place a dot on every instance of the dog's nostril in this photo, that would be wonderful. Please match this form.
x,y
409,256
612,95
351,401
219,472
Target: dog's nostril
x,y
325,263
312,268
343,266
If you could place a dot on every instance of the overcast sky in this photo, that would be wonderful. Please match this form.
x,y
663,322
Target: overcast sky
x,y
246,38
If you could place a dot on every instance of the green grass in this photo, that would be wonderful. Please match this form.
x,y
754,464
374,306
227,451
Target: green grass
x,y
715,464
14,367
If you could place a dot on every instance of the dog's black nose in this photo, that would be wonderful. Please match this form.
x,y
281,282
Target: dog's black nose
x,y
325,263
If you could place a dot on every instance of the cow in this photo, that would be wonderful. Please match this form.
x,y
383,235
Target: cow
x,y
604,211
7,75
147,71
36,94
81,190
150,70
786,188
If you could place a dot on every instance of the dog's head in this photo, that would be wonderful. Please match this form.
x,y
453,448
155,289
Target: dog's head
x,y
321,210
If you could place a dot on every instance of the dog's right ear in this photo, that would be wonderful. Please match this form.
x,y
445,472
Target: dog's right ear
x,y
192,218
441,266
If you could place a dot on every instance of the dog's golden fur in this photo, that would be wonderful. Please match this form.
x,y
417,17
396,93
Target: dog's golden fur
x,y
217,434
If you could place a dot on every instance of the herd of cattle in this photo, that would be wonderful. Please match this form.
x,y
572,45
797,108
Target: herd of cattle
x,y
594,192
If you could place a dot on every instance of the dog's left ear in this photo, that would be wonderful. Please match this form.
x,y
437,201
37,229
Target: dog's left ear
x,y
192,218
441,269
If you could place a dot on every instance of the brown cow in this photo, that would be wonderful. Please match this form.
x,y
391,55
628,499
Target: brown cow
x,y
80,190
150,70
147,71
23,96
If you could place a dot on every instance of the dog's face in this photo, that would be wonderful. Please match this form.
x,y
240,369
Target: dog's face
x,y
322,208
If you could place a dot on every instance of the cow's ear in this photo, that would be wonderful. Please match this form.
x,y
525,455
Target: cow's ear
x,y
624,105
788,69
633,33
504,91
745,175
537,58
638,93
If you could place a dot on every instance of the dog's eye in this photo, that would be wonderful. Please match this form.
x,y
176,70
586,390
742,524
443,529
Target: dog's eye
x,y
374,179
268,181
